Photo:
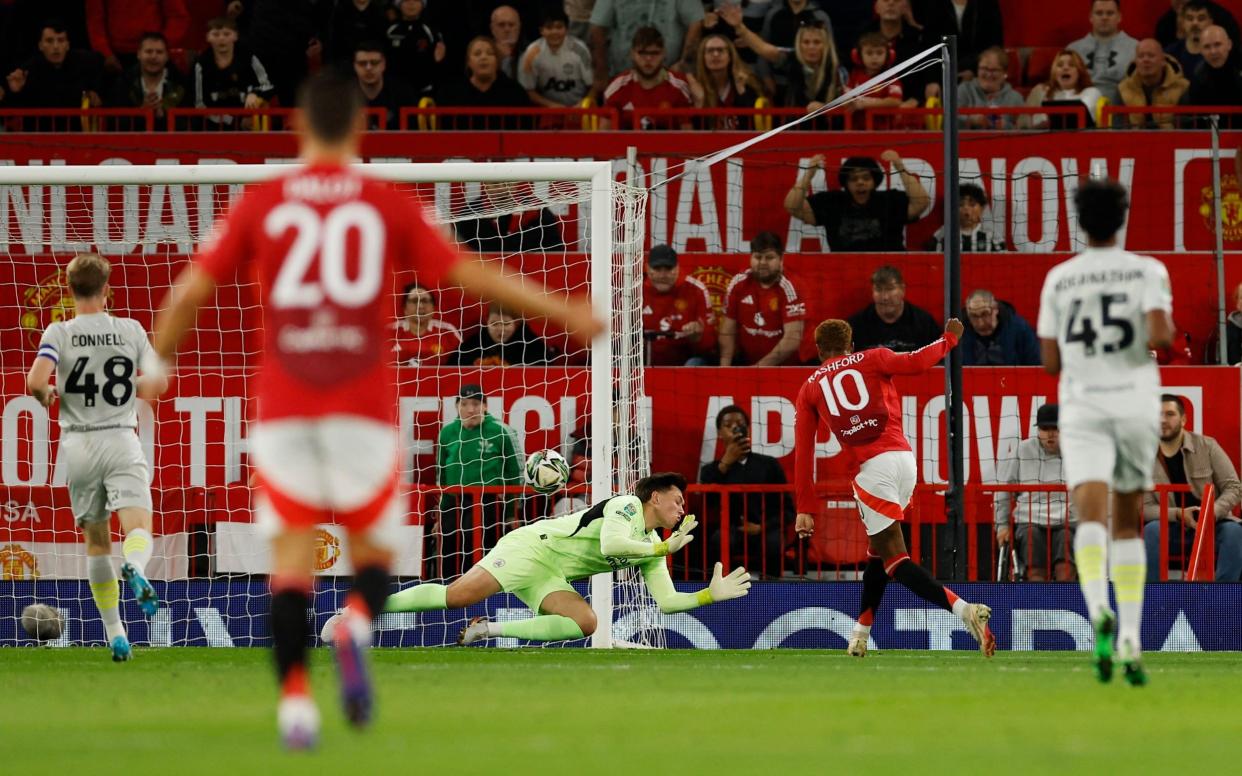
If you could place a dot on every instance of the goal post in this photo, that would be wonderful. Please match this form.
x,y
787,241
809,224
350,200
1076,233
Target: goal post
x,y
603,225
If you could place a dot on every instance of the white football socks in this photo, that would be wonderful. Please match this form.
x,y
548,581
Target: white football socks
x,y
1129,571
107,594
1090,555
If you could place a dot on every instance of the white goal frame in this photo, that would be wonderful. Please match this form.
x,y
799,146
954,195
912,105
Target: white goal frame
x,y
598,174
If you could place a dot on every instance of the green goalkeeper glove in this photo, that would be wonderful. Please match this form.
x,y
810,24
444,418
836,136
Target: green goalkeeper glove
x,y
723,588
679,538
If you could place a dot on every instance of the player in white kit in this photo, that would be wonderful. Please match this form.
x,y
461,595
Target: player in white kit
x,y
1100,314
95,358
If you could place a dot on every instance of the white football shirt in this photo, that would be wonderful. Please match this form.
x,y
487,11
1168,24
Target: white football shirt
x,y
96,359
1095,306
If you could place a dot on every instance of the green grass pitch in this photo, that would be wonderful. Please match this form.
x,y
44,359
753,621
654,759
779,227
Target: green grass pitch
x,y
440,711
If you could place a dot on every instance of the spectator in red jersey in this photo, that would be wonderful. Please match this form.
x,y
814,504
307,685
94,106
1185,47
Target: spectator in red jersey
x,y
388,93
483,87
420,338
647,84
722,80
507,223
852,396
227,75
764,315
503,340
757,521
890,321
678,323
57,77
116,27
871,57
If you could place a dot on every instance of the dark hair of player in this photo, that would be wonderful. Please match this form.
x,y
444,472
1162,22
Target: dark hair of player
x,y
88,274
767,241
729,409
1181,405
658,483
1101,206
330,103
833,337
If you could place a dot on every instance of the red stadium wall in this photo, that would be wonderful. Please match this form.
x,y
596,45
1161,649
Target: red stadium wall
x,y
1062,22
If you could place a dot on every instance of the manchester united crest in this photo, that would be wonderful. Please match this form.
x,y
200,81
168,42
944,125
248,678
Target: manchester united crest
x,y
715,280
16,563
327,550
45,304
1230,208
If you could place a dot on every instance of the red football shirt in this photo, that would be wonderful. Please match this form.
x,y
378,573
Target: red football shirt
x,y
625,94
428,348
324,244
761,314
669,313
854,397
893,91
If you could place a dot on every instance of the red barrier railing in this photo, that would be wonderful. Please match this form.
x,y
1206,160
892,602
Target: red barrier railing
x,y
468,118
760,119
77,120
1186,116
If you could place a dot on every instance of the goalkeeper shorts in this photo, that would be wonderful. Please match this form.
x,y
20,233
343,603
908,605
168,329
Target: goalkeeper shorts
x,y
339,469
521,565
883,488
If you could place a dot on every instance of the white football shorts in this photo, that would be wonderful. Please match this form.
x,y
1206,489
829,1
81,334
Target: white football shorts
x,y
883,488
106,472
1118,451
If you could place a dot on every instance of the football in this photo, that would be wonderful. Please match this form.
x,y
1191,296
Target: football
x,y
41,622
547,471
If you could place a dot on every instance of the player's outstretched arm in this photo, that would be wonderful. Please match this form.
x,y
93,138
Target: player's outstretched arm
x,y
722,588
615,540
190,291
575,316
927,356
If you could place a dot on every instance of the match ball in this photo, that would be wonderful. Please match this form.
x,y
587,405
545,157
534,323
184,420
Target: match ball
x,y
547,471
41,622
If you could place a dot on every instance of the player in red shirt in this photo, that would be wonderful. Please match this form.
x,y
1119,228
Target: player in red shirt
x,y
852,395
419,337
678,322
764,316
325,243
648,84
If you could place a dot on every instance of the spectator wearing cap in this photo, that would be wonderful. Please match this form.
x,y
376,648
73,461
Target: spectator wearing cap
x,y
972,200
473,449
890,321
679,325
1041,532
764,314
420,338
859,217
996,335
1197,460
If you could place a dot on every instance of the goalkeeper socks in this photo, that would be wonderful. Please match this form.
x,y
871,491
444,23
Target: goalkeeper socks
x,y
138,547
545,627
106,592
916,579
874,581
420,598
1129,570
370,590
289,631
1090,555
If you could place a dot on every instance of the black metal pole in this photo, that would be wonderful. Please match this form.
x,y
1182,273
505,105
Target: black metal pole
x,y
954,497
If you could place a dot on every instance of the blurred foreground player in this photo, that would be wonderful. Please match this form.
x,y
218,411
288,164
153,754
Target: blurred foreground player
x,y
852,394
1100,314
95,356
325,242
537,563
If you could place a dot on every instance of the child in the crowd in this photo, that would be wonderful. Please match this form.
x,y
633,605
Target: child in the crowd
x,y
871,57
556,69
415,48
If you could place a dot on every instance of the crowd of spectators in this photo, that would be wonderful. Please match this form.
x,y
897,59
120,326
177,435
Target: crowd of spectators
x,y
628,54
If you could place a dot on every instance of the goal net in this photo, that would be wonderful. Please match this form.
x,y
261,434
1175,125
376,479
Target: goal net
x,y
518,385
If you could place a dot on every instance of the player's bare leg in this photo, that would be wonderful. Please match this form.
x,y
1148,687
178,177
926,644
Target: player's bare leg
x,y
562,615
136,524
104,589
890,545
293,555
352,635
1091,556
1129,572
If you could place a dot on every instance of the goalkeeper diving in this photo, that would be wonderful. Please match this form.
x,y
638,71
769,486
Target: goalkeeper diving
x,y
537,562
